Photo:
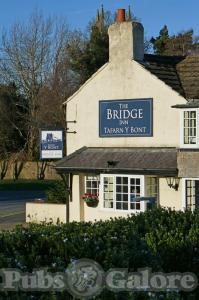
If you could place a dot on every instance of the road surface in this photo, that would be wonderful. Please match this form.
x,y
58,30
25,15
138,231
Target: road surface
x,y
12,206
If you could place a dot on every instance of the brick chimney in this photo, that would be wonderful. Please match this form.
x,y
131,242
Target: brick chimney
x,y
126,39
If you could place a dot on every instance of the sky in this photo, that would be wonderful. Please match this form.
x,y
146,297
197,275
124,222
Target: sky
x,y
154,14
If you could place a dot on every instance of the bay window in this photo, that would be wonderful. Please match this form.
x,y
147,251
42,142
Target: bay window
x,y
121,192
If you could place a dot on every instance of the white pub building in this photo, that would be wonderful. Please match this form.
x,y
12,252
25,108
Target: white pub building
x,y
136,124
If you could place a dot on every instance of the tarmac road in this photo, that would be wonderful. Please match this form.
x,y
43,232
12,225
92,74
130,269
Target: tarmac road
x,y
12,206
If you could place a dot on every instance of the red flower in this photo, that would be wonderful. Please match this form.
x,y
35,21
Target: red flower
x,y
88,197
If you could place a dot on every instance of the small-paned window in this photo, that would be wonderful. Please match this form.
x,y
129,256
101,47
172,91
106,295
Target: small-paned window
x,y
190,127
122,192
92,184
190,194
151,186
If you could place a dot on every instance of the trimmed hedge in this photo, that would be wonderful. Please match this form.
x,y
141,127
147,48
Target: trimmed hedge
x,y
163,240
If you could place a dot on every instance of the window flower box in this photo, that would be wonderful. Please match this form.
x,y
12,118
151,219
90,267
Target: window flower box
x,y
91,200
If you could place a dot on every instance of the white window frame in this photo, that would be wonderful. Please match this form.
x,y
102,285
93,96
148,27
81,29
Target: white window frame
x,y
184,200
182,144
85,181
101,192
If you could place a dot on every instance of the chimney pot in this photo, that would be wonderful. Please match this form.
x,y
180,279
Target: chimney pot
x,y
121,15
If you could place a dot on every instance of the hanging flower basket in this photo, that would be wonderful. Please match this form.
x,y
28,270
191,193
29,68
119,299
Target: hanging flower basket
x,y
91,200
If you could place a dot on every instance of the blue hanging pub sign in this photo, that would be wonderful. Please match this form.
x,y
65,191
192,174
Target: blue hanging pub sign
x,y
51,144
131,117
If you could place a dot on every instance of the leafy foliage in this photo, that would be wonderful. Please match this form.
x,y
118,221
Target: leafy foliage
x,y
159,44
88,53
163,240
58,193
183,43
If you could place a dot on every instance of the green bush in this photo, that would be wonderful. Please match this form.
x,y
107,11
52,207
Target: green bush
x,y
163,240
58,193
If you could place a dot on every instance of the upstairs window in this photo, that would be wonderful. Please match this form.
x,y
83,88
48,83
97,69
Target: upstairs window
x,y
190,128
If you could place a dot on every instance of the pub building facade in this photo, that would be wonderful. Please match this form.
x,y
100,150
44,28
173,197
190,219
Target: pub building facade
x,y
133,135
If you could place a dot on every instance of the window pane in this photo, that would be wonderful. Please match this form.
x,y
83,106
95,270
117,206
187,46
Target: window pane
x,y
94,184
125,198
110,180
125,206
186,140
125,180
118,180
186,123
118,197
186,114
108,192
138,205
108,204
125,189
138,190
118,205
138,181
132,189
88,184
118,188
152,186
193,114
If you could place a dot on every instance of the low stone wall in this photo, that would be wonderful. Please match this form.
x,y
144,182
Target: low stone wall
x,y
45,212
31,170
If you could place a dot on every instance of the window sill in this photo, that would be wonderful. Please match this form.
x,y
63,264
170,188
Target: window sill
x,y
119,211
189,146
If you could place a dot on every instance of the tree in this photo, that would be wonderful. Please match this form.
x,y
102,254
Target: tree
x,y
12,130
88,52
183,43
30,55
160,43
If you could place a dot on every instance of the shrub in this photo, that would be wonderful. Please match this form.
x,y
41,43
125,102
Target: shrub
x,y
163,240
58,193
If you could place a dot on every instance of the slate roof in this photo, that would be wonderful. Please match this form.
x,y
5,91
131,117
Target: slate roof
x,y
188,72
189,104
151,161
179,72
